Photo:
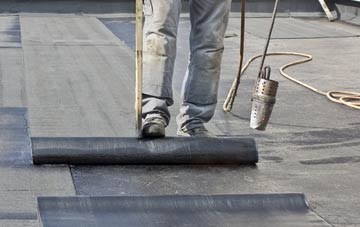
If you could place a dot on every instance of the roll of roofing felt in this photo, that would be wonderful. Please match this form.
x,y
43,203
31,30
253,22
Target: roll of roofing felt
x,y
271,210
132,151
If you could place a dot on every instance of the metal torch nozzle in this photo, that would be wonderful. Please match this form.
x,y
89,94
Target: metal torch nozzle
x,y
263,100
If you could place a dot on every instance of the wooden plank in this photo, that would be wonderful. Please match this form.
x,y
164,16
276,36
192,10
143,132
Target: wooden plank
x,y
327,11
139,47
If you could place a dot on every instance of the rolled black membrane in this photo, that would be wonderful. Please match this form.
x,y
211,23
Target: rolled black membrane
x,y
179,210
132,151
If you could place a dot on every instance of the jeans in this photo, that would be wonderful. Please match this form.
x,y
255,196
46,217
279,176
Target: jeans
x,y
209,19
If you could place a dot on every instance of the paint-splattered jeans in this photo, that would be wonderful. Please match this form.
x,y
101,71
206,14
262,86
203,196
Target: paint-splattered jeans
x,y
209,19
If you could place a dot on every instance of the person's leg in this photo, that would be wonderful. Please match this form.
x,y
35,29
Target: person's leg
x,y
160,31
209,19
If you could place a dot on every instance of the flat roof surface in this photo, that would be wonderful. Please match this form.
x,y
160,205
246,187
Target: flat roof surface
x,y
75,74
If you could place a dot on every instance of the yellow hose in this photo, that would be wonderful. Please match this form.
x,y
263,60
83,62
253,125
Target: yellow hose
x,y
348,98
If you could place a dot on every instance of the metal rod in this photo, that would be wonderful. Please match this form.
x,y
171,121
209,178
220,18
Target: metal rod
x,y
269,37
242,43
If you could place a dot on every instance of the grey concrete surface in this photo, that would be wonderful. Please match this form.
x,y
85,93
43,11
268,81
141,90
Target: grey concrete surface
x,y
21,182
12,223
311,144
77,79
67,6
286,7
291,28
10,32
348,10
12,79
73,85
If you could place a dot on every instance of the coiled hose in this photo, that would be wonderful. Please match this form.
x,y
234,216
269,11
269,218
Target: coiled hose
x,y
348,98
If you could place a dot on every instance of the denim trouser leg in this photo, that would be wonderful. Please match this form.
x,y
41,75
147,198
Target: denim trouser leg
x,y
209,19
160,30
199,93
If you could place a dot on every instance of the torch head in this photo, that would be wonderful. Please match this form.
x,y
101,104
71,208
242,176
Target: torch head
x,y
263,100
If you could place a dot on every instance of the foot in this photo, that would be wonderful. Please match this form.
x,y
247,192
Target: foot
x,y
199,131
154,128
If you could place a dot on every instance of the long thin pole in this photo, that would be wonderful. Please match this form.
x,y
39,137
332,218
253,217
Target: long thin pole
x,y
233,91
139,67
327,11
269,36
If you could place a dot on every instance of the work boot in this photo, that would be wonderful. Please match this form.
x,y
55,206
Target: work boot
x,y
154,128
199,131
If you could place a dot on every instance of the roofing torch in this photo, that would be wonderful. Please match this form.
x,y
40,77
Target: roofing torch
x,y
264,93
